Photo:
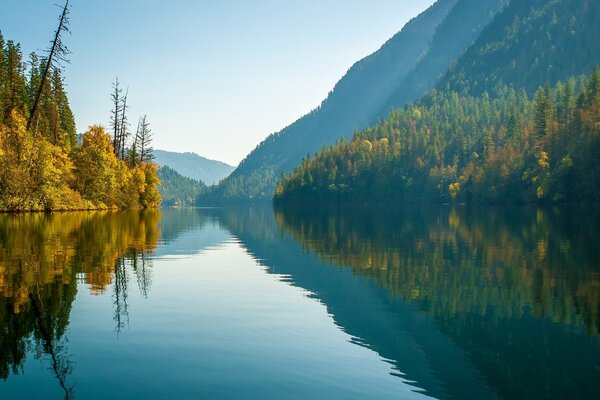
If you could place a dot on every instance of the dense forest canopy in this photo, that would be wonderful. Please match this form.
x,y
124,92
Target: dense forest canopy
x,y
43,167
529,44
178,190
451,147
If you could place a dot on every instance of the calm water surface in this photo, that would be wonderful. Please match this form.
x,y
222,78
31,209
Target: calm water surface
x,y
262,304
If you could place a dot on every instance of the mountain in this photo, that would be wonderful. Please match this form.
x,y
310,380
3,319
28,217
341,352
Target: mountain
x,y
494,129
529,44
176,189
193,166
455,148
409,63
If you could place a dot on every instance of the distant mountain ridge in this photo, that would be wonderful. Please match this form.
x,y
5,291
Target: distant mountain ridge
x,y
402,70
193,166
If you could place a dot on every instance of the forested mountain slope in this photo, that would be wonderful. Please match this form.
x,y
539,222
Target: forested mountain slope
x,y
529,44
462,27
451,147
428,43
176,189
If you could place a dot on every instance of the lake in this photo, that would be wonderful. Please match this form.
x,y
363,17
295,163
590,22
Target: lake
x,y
256,303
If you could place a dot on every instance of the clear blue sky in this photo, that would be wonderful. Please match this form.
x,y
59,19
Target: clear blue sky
x,y
214,76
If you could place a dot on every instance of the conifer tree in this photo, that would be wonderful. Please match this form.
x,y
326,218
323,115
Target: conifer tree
x,y
57,53
15,86
145,141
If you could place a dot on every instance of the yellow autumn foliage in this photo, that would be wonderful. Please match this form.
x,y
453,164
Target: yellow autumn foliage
x,y
37,175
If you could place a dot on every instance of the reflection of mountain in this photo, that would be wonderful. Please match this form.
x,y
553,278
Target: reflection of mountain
x,y
453,298
397,331
188,231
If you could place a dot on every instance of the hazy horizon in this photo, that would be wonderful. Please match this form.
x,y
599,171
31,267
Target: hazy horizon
x,y
231,72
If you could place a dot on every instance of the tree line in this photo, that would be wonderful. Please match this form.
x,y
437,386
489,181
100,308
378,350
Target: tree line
x,y
452,147
44,165
178,190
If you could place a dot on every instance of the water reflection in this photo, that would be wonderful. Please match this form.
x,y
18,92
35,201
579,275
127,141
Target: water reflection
x,y
462,303
517,290
43,257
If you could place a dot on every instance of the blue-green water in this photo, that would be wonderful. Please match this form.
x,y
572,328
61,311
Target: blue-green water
x,y
264,304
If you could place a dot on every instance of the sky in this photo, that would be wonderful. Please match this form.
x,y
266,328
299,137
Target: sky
x,y
214,77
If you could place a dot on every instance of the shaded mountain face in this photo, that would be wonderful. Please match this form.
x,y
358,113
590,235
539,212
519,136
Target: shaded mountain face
x,y
193,166
530,43
402,70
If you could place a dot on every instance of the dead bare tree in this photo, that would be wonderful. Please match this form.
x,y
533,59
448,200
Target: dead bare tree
x,y
123,134
57,53
116,113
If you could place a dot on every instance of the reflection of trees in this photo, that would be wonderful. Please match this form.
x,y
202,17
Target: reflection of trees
x,y
120,295
42,259
518,290
142,267
454,262
55,348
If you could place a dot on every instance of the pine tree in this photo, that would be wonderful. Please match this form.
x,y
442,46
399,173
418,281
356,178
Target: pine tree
x,y
15,87
135,146
145,141
66,118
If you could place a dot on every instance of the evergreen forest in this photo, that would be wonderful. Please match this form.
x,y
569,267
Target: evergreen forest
x,y
45,165
450,147
178,190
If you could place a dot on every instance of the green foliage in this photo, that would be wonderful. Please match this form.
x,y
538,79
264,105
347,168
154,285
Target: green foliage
x,y
42,168
450,147
45,259
529,44
34,174
494,279
178,190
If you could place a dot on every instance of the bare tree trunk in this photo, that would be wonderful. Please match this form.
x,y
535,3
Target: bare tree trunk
x,y
123,133
57,50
